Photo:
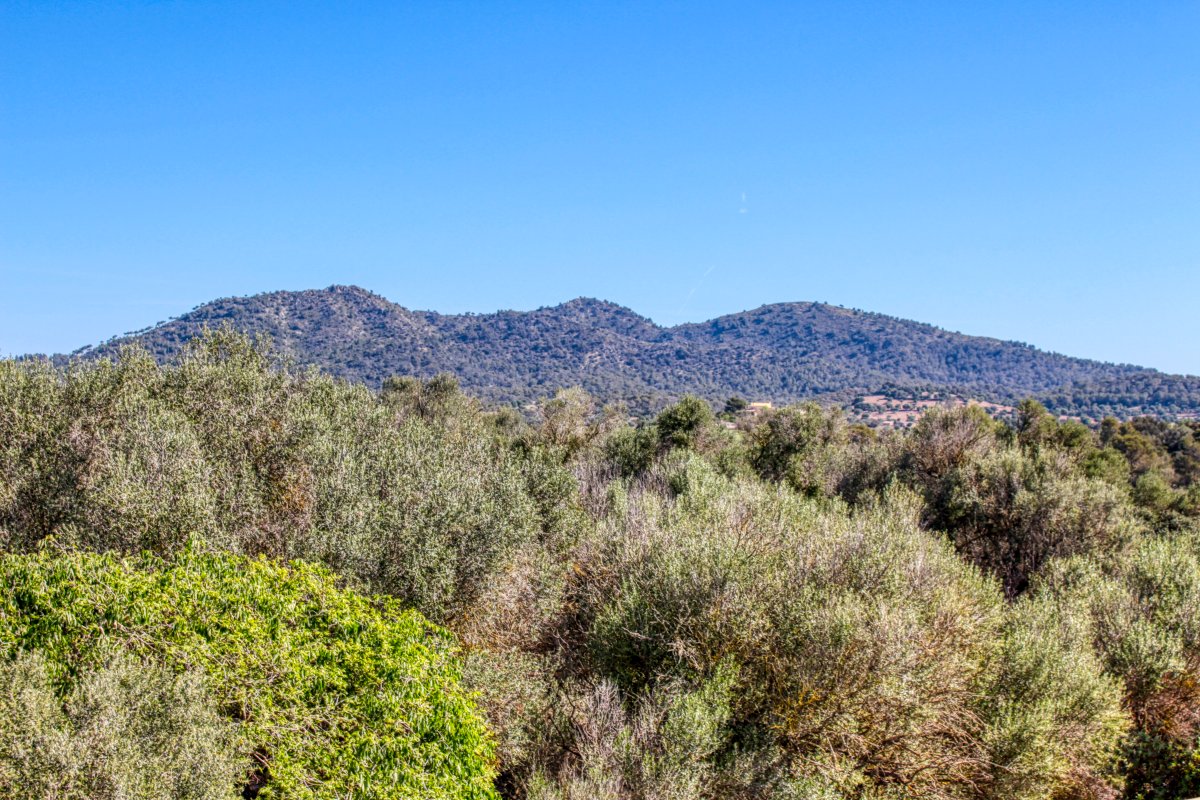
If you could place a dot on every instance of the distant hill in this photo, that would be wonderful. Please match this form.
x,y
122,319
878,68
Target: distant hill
x,y
783,353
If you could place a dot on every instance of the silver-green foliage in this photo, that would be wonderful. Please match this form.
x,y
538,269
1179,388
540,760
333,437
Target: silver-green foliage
x,y
125,731
1054,717
662,749
228,450
1142,608
866,652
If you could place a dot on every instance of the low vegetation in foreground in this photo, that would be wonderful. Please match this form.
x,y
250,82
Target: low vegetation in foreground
x,y
226,578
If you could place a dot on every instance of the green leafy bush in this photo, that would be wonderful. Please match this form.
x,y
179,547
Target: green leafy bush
x,y
796,440
333,694
682,424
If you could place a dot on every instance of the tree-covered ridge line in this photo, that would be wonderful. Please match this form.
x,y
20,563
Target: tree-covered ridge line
x,y
792,607
783,353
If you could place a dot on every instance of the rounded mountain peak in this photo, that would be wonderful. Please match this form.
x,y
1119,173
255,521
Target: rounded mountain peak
x,y
593,313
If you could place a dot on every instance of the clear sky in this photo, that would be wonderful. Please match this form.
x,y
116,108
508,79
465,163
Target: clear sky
x,y
1023,170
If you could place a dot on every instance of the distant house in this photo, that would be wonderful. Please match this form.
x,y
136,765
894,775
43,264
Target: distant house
x,y
755,410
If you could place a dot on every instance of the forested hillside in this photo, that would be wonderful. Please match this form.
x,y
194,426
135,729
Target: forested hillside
x,y
781,353
225,578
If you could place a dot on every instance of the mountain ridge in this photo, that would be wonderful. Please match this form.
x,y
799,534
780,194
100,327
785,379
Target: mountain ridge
x,y
782,352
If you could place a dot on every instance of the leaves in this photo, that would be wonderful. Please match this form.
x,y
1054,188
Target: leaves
x,y
332,692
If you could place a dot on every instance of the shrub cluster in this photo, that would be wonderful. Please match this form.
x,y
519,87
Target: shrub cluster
x,y
230,453
683,606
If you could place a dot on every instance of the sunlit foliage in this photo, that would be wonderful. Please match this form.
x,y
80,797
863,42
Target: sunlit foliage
x,y
765,603
326,693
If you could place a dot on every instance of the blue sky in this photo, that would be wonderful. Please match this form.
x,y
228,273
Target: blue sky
x,y
1023,170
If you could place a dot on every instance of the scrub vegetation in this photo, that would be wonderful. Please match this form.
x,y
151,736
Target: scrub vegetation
x,y
228,577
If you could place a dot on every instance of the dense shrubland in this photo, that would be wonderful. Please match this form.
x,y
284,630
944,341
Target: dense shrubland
x,y
794,607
